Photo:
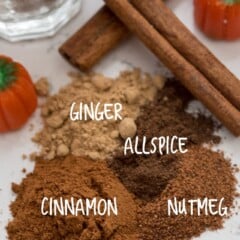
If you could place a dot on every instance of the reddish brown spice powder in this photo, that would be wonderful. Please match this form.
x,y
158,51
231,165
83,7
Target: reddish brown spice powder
x,y
71,177
202,173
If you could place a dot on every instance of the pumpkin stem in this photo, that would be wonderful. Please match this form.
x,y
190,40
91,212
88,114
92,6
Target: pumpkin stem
x,y
231,2
7,73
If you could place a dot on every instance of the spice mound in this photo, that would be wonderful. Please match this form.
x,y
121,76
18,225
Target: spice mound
x,y
147,175
94,139
202,173
67,178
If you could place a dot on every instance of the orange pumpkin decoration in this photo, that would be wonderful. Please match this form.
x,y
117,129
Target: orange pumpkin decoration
x,y
219,19
18,98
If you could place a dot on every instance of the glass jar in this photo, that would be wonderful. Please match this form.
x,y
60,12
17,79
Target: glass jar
x,y
31,19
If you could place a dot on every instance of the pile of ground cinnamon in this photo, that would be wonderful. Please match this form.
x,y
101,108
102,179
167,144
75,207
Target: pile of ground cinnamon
x,y
71,177
95,139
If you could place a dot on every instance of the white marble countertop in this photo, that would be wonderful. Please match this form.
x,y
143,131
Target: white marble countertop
x,y
41,58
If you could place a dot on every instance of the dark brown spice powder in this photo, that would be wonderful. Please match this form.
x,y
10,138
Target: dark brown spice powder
x,y
166,116
147,176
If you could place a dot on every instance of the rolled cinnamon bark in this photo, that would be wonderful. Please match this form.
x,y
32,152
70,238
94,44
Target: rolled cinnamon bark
x,y
189,76
95,39
166,22
104,32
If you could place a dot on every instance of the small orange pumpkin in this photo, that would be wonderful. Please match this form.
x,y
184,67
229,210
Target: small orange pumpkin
x,y
219,19
18,99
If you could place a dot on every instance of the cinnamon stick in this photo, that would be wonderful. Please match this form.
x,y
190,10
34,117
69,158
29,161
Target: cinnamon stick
x,y
167,23
96,38
189,75
104,32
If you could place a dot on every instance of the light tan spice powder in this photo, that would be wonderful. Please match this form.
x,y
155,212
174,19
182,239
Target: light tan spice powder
x,y
42,87
94,139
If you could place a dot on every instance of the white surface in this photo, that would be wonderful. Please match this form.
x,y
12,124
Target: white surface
x,y
42,59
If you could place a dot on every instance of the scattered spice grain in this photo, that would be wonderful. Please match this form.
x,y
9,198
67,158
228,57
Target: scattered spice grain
x,y
127,128
42,87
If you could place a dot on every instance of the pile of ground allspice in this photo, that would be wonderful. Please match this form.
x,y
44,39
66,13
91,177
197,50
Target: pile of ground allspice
x,y
85,160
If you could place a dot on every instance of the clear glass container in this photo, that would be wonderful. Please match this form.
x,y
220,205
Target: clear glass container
x,y
31,19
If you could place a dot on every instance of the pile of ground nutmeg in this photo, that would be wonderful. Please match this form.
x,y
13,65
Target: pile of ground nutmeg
x,y
66,178
202,173
61,136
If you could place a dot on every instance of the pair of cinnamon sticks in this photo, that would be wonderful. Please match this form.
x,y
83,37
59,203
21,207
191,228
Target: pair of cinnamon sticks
x,y
161,31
